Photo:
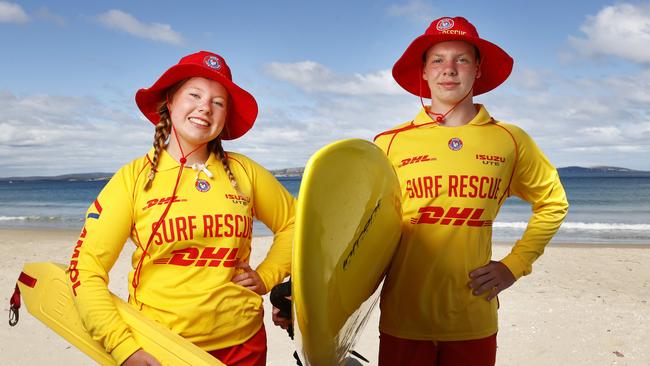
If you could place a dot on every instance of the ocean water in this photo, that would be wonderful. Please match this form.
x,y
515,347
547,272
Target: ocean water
x,y
603,209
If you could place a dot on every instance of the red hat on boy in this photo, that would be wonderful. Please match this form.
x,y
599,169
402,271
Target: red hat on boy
x,y
243,107
496,64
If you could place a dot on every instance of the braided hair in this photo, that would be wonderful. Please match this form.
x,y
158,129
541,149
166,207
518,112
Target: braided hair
x,y
216,147
160,141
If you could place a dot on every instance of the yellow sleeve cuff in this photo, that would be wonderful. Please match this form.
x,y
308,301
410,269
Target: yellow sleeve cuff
x,y
516,265
267,278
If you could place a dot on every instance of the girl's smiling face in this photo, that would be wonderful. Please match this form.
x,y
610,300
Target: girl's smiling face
x,y
198,111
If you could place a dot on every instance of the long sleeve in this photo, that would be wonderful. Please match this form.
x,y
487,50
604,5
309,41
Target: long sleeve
x,y
275,207
537,182
108,224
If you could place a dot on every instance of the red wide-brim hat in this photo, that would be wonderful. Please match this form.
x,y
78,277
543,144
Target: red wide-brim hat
x,y
496,64
243,107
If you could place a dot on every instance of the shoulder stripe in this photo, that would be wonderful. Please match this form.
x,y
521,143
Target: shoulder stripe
x,y
394,132
405,128
137,240
135,191
137,178
144,166
235,160
514,166
240,164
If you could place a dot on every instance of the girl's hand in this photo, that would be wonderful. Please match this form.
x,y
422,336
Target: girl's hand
x,y
249,279
141,358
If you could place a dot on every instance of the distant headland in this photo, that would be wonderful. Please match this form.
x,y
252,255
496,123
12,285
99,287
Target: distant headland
x,y
99,176
569,171
601,171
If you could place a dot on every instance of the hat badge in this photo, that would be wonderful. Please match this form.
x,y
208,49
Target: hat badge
x,y
212,62
444,24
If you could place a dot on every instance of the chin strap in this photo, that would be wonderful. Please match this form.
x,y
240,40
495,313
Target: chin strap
x,y
440,117
138,269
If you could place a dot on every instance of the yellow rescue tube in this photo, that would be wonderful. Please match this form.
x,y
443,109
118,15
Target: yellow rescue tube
x,y
49,299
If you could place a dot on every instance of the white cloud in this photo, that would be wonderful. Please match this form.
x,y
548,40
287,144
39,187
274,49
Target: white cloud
x,y
12,13
417,10
313,77
588,121
635,88
529,79
576,121
621,30
287,136
58,135
126,22
45,14
605,134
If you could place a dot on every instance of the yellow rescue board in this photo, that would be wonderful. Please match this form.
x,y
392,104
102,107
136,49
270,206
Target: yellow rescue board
x,y
348,221
51,302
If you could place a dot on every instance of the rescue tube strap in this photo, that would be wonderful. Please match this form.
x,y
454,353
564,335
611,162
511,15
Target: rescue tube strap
x,y
14,301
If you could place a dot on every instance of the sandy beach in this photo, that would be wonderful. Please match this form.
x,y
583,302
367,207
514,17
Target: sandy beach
x,y
583,305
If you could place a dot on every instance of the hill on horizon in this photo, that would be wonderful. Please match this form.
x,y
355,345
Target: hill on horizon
x,y
604,171
569,171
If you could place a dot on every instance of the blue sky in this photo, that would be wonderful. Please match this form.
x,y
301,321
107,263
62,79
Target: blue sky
x,y
320,72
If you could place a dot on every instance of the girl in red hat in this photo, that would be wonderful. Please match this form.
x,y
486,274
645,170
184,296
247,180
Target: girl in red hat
x,y
456,165
188,208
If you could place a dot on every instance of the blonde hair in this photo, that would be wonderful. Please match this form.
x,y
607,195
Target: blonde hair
x,y
216,147
161,140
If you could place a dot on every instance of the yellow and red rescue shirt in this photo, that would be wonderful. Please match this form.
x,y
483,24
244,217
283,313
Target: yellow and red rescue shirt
x,y
185,278
453,181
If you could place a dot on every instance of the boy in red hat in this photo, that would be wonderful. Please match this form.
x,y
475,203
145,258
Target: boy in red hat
x,y
188,206
456,165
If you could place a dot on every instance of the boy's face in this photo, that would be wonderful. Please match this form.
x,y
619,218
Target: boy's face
x,y
450,69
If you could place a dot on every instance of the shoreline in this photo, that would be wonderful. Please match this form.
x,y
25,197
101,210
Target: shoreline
x,y
6,230
578,307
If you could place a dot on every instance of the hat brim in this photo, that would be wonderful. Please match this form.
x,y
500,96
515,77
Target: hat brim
x,y
496,64
242,110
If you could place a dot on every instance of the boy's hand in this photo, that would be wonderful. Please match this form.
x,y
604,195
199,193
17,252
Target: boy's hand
x,y
493,277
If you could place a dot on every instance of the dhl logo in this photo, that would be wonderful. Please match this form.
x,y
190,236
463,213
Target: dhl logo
x,y
415,159
163,201
209,256
455,216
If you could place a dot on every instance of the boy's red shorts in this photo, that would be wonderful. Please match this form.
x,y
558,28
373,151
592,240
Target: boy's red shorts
x,y
250,353
406,352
